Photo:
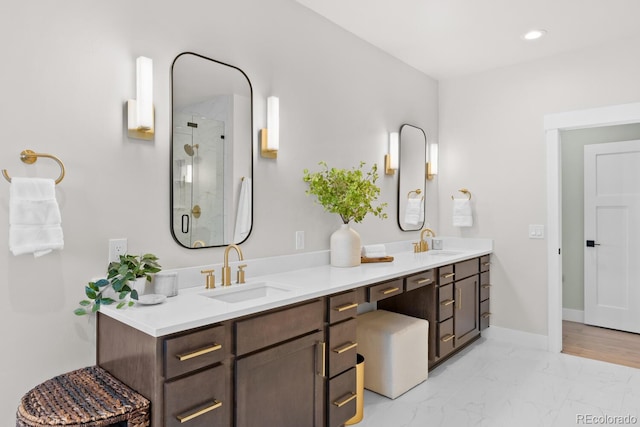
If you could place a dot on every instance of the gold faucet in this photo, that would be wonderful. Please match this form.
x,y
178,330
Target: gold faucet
x,y
422,245
226,270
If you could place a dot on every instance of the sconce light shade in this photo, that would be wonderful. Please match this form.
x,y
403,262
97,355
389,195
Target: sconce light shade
x,y
391,159
432,164
140,110
270,137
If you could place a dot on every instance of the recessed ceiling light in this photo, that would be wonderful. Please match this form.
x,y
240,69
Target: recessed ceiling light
x,y
534,34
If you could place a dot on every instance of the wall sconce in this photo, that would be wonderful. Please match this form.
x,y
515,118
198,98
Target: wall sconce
x,y
391,159
432,164
270,137
140,110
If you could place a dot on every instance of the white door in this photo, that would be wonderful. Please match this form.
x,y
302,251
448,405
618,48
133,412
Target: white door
x,y
612,234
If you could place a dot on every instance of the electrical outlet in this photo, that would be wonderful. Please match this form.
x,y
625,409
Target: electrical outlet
x,y
299,239
117,247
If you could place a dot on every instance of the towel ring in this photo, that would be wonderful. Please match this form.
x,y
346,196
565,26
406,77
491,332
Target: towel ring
x,y
464,191
417,192
29,157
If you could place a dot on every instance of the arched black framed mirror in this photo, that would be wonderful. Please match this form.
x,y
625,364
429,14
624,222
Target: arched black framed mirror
x,y
211,152
411,178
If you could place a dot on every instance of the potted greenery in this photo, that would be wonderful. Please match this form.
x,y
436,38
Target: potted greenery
x,y
121,276
350,193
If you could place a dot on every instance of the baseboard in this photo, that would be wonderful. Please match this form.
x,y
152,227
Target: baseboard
x,y
525,339
573,315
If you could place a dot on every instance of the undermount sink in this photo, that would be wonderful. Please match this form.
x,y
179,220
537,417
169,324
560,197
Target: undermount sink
x,y
438,252
246,292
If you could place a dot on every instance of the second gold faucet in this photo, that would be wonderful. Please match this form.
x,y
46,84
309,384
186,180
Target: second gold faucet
x,y
226,270
422,245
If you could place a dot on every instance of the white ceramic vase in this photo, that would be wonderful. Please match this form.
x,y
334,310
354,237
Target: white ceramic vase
x,y
345,247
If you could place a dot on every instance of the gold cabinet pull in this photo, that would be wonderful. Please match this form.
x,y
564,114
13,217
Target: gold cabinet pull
x,y
346,307
447,302
447,338
448,275
487,286
423,281
459,298
345,347
322,347
202,351
345,399
486,315
207,407
486,264
389,291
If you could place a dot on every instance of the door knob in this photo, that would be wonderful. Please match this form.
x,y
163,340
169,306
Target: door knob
x,y
592,243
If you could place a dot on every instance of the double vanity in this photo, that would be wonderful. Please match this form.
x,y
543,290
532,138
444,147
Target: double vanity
x,y
281,349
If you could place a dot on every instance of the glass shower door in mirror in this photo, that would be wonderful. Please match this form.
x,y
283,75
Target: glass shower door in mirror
x,y
211,153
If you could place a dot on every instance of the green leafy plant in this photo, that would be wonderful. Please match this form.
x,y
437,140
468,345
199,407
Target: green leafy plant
x,y
119,275
348,192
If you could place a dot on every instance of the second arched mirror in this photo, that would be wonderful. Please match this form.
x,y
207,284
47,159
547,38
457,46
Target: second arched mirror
x,y
411,178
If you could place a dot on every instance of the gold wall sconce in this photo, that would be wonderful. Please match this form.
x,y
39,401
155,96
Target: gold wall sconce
x,y
432,164
140,116
391,159
270,137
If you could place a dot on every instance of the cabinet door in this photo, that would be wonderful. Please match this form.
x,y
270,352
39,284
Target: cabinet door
x,y
282,386
466,311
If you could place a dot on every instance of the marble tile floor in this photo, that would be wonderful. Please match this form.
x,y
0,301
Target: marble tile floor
x,y
494,384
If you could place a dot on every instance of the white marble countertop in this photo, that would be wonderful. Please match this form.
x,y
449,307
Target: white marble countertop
x,y
191,309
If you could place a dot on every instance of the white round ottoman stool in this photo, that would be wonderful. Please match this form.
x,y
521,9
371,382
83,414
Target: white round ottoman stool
x,y
395,348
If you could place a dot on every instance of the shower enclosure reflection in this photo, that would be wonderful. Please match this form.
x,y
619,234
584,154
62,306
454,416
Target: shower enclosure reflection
x,y
211,154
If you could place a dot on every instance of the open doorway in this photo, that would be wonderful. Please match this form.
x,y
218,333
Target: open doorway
x,y
556,127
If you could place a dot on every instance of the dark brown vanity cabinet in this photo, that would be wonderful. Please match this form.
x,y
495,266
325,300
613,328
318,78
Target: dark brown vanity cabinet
x,y
187,376
449,298
342,357
466,296
280,368
485,292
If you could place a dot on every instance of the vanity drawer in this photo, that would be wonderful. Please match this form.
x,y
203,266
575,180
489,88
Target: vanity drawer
x,y
485,286
265,330
446,302
385,290
446,338
342,306
485,263
342,347
445,274
193,351
342,398
485,314
419,280
199,400
466,268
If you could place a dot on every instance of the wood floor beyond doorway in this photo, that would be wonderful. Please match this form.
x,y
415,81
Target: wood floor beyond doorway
x,y
608,345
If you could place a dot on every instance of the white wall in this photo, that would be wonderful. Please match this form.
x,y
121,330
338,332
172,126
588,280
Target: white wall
x,y
67,71
492,142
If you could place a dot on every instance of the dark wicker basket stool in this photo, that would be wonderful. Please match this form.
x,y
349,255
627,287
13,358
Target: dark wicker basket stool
x,y
88,397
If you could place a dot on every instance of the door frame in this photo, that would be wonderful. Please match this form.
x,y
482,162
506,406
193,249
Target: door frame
x,y
553,125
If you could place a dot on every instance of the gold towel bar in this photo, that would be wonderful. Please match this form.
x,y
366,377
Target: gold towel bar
x,y
464,191
29,157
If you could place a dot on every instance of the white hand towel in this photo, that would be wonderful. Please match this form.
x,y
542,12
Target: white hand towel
x,y
34,217
374,251
462,213
414,211
243,216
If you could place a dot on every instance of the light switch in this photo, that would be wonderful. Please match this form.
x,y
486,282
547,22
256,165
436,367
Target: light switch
x,y
536,231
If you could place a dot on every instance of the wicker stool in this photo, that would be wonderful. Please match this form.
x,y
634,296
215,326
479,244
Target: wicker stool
x,y
88,397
